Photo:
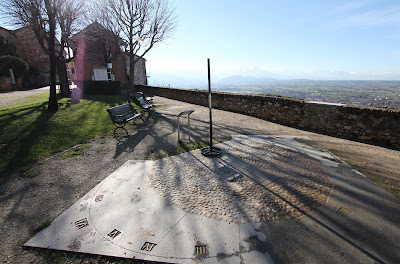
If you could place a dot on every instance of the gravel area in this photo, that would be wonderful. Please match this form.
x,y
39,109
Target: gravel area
x,y
28,201
283,184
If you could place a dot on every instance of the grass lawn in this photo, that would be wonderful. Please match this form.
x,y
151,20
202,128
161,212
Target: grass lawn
x,y
29,133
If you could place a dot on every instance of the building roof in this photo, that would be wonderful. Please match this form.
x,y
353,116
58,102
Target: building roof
x,y
94,26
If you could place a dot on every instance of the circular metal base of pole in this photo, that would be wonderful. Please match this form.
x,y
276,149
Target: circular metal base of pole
x,y
211,151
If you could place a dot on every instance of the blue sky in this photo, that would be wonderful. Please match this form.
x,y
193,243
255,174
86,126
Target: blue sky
x,y
281,39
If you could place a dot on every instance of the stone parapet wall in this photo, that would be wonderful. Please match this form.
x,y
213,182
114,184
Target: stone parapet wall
x,y
377,126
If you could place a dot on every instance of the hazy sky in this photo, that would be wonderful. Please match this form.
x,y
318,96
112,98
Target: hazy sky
x,y
289,38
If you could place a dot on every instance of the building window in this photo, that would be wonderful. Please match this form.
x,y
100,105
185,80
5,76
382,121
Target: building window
x,y
73,70
109,76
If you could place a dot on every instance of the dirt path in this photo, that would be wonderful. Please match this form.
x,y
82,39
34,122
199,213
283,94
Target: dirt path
x,y
16,97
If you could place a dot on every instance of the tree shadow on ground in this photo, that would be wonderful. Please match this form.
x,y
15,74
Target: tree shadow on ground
x,y
25,139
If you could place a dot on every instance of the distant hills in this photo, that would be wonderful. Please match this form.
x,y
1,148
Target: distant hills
x,y
244,80
190,82
369,93
176,81
186,79
198,82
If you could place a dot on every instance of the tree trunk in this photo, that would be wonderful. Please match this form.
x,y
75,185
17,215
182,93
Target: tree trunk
x,y
132,72
63,77
53,104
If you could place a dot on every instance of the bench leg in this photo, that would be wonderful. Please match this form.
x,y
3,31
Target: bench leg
x,y
150,112
141,118
120,133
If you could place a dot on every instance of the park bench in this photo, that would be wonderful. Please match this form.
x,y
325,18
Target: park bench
x,y
147,99
145,103
122,114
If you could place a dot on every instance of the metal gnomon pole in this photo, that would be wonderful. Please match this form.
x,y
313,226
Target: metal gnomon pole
x,y
210,151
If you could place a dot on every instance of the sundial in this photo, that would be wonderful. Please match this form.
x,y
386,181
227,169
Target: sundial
x,y
190,208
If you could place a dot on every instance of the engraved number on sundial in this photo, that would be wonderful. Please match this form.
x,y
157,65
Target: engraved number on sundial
x,y
114,233
148,246
81,223
201,250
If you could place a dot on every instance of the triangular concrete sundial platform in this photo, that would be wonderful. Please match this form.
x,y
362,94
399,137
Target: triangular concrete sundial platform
x,y
266,198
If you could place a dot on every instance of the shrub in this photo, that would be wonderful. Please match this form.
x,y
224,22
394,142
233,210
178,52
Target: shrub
x,y
102,87
18,66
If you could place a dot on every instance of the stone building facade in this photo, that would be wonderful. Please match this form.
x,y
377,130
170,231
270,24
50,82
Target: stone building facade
x,y
140,70
10,36
29,50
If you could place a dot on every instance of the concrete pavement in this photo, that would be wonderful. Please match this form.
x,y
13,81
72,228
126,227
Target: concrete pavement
x,y
266,199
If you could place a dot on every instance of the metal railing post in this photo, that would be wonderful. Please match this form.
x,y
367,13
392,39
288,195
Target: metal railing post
x,y
188,113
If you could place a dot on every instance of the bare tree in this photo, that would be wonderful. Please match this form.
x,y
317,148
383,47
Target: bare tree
x,y
44,17
140,24
7,47
102,44
69,15
40,16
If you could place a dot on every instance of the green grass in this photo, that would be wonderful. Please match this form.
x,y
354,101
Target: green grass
x,y
394,191
183,147
378,179
75,151
30,133
51,256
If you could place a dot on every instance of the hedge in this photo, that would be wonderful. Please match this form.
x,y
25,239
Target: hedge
x,y
16,64
102,87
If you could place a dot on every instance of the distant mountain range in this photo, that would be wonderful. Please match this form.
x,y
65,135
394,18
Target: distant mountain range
x,y
175,81
171,80
200,82
378,93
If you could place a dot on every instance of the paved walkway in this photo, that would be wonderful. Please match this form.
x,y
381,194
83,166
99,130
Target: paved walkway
x,y
14,97
280,198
